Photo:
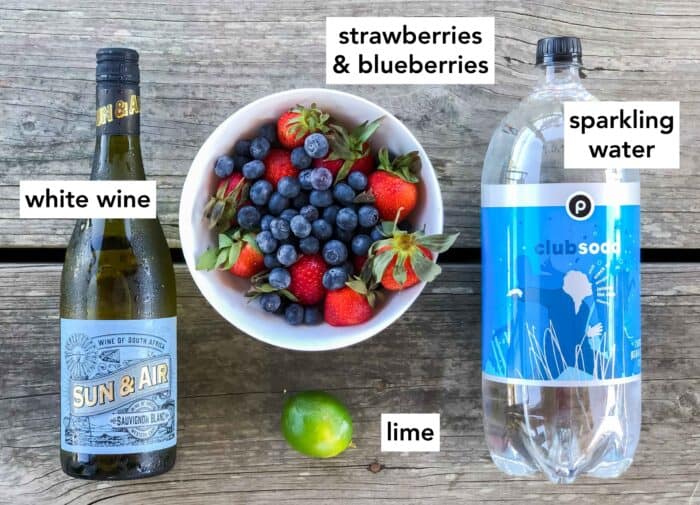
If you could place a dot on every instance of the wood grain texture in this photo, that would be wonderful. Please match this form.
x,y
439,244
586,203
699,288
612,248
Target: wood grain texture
x,y
232,387
203,60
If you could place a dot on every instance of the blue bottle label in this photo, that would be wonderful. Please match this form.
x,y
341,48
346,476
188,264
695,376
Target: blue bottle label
x,y
118,385
560,283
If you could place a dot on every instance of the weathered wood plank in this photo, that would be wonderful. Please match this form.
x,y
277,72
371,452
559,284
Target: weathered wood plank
x,y
231,391
203,60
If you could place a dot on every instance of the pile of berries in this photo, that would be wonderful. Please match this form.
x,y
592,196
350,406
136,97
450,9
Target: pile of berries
x,y
308,213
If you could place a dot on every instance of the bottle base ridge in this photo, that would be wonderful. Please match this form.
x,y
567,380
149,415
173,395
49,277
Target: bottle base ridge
x,y
117,467
562,432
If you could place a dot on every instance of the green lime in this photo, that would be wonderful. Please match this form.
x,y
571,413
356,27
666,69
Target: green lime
x,y
316,424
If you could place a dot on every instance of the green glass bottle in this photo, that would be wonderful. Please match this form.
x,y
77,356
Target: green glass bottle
x,y
118,312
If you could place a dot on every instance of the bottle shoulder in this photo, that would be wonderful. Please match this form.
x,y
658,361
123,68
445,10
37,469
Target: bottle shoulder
x,y
118,269
545,102
138,235
527,147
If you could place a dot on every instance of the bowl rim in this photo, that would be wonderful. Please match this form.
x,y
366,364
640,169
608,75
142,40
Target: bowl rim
x,y
187,236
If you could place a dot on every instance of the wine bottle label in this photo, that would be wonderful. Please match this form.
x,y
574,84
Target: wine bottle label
x,y
560,281
118,109
118,385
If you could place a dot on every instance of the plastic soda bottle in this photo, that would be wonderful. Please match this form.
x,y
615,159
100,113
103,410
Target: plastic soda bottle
x,y
561,349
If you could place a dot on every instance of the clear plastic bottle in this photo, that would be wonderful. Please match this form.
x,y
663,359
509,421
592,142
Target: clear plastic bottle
x,y
561,295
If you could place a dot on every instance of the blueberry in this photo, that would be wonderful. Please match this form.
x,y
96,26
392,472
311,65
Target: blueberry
x,y
344,235
321,178
301,200
265,222
309,212
316,145
334,252
270,302
294,314
287,255
309,245
321,229
253,169
242,147
240,161
280,278
376,234
346,219
279,229
248,217
368,216
269,131
266,242
277,203
343,194
259,148
321,198
224,166
300,159
288,214
357,181
260,192
300,226
330,213
289,186
271,262
360,244
334,278
305,179
312,315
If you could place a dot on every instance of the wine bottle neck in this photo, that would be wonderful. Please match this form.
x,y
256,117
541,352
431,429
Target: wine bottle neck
x,y
117,147
117,158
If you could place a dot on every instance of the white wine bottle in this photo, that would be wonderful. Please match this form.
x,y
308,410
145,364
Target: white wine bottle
x,y
118,311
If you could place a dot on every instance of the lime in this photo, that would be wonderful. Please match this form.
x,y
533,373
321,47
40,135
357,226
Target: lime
x,y
316,424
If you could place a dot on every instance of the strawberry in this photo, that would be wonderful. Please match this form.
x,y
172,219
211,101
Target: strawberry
x,y
350,150
307,275
350,305
237,252
404,259
278,164
389,281
359,262
364,164
250,261
393,185
230,194
333,165
298,123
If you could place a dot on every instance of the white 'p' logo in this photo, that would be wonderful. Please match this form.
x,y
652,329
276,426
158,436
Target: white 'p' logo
x,y
580,206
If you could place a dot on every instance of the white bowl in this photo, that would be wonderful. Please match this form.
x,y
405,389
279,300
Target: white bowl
x,y
225,291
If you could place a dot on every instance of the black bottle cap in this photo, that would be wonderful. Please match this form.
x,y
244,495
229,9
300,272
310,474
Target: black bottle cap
x,y
558,49
117,64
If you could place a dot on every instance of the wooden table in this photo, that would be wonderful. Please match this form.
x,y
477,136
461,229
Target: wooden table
x,y
203,60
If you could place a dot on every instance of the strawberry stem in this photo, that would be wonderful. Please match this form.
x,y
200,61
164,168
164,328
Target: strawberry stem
x,y
407,166
351,146
308,120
